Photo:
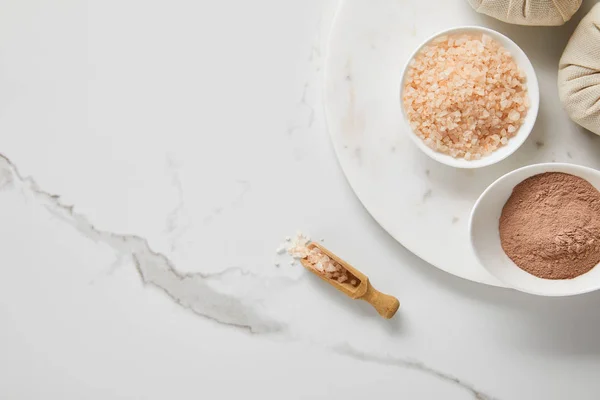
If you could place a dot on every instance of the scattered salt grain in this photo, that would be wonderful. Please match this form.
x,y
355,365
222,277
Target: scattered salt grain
x,y
298,247
280,250
464,94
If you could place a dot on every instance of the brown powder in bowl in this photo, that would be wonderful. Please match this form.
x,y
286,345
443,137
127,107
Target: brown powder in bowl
x,y
465,95
550,226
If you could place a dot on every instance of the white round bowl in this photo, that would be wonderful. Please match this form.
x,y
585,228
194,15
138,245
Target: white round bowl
x,y
514,143
485,236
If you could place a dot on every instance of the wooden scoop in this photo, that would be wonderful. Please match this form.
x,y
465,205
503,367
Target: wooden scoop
x,y
385,304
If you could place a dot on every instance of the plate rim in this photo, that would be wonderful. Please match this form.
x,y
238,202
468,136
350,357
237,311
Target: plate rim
x,y
493,281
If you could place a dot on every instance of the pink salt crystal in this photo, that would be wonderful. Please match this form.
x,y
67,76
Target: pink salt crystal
x,y
330,268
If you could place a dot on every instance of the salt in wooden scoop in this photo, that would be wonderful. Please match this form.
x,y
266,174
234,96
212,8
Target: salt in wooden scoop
x,y
385,304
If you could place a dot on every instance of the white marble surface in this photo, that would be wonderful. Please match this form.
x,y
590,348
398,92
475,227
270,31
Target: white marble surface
x,y
420,201
154,156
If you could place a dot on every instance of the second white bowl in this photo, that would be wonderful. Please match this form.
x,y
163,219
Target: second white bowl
x,y
484,232
532,87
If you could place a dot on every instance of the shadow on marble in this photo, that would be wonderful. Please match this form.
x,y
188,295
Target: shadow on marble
x,y
565,325
362,310
556,326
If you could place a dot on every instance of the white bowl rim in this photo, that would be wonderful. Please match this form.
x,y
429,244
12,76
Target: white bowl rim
x,y
532,113
543,167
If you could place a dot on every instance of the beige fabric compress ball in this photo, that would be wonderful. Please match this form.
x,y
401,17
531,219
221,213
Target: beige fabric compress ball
x,y
579,73
528,12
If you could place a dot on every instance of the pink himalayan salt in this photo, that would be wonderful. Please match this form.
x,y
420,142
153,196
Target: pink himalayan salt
x,y
465,96
319,261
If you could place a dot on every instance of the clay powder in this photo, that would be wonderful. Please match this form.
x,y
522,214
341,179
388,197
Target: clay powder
x,y
550,226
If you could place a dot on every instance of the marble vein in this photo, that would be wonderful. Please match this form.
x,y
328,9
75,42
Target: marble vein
x,y
427,195
349,351
304,102
236,202
314,59
196,292
177,222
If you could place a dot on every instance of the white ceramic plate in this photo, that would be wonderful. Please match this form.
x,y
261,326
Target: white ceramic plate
x,y
423,204
485,235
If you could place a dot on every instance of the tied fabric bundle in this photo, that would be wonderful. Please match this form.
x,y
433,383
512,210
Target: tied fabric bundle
x,y
528,12
579,73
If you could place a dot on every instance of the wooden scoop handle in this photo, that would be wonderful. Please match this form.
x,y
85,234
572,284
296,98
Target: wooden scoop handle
x,y
385,304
